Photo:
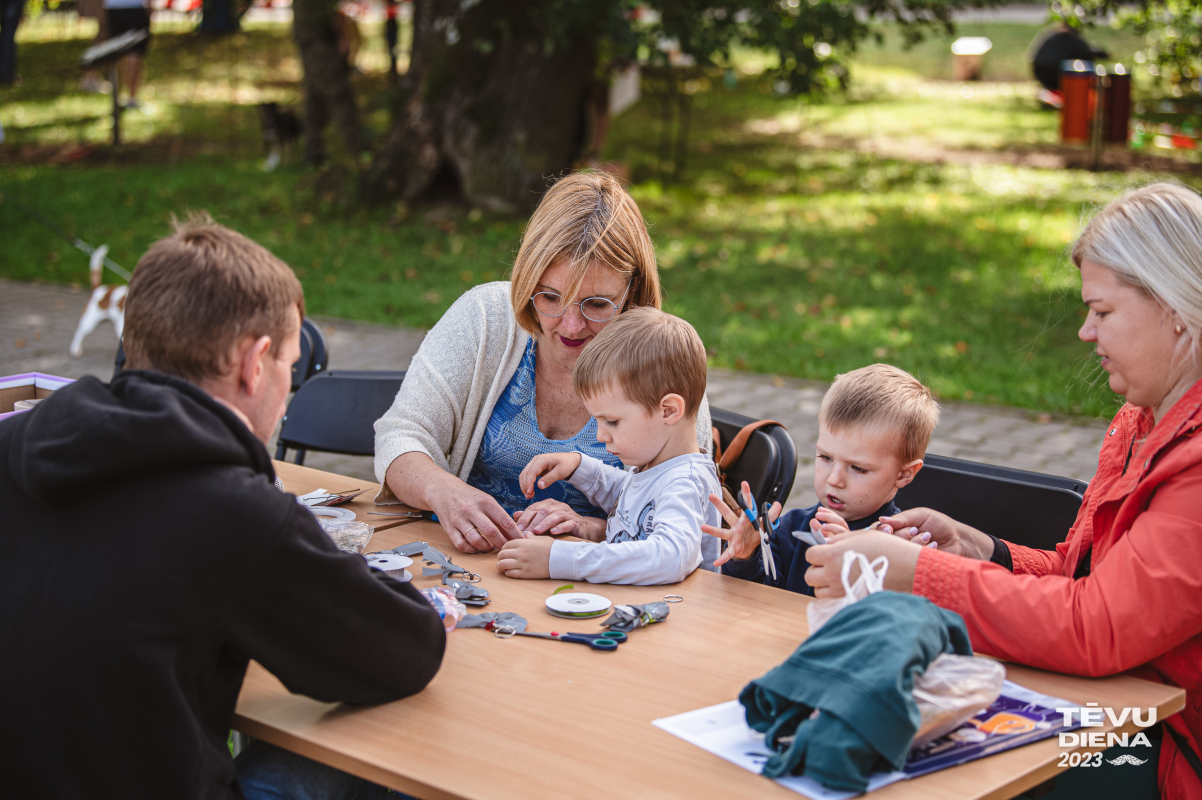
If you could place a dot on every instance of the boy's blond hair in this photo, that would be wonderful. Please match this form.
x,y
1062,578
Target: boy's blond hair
x,y
649,354
885,400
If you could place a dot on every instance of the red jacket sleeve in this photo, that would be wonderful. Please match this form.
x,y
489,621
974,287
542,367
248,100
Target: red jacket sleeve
x,y
1142,598
1029,561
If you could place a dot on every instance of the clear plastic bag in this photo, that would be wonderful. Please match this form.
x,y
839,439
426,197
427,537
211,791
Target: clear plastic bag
x,y
871,580
449,609
350,536
952,690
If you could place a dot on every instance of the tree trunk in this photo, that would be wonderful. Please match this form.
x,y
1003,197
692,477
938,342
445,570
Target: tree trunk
x,y
327,80
492,105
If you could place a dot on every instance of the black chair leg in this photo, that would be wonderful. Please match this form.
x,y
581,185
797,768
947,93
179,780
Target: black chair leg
x,y
300,458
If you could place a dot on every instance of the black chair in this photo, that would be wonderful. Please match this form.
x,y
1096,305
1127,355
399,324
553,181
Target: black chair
x,y
768,462
119,361
1028,508
315,354
336,411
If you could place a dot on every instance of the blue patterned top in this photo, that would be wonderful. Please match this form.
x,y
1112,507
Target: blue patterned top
x,y
512,438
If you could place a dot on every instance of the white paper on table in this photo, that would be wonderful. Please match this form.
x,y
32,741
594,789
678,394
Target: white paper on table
x,y
723,731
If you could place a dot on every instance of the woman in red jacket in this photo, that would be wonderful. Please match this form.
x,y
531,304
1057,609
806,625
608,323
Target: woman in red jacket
x,y
1124,591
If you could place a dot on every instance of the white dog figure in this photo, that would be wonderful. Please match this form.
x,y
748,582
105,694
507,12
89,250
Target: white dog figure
x,y
106,302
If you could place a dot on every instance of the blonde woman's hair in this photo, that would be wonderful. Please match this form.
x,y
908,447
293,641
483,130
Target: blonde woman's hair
x,y
648,354
886,401
586,218
1151,238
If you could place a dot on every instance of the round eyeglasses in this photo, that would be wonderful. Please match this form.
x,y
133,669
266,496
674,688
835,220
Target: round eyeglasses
x,y
596,309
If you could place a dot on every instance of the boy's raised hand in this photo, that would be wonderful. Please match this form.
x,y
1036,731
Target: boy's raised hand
x,y
742,537
545,469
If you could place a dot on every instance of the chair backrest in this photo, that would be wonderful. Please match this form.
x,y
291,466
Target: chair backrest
x,y
321,348
1028,508
314,355
335,412
768,462
119,361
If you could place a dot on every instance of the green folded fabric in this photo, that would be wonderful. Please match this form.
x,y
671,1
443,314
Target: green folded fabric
x,y
858,671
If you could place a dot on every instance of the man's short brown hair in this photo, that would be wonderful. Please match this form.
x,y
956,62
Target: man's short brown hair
x,y
648,354
197,293
884,400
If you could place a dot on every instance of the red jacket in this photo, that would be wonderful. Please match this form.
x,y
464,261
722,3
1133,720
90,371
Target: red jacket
x,y
1139,609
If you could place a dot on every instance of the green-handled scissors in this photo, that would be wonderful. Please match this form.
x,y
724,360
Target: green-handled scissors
x,y
598,641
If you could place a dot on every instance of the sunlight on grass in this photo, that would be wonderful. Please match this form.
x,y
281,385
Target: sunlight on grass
x,y
805,238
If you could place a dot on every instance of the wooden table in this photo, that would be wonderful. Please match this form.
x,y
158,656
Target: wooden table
x,y
521,717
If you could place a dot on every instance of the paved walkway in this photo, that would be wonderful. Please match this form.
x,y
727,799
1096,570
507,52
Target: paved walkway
x,y
38,321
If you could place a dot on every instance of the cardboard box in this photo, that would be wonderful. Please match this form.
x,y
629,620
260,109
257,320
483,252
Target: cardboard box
x,y
30,386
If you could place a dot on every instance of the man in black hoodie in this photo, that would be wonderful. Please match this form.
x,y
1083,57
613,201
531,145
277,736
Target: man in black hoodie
x,y
146,556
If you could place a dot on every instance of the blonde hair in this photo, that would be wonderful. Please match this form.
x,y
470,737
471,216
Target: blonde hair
x,y
1151,238
649,354
886,400
586,218
200,291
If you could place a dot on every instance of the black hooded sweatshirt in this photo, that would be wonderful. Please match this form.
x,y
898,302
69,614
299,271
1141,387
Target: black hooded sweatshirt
x,y
145,556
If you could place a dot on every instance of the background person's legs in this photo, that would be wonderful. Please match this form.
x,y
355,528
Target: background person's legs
x,y
267,772
10,19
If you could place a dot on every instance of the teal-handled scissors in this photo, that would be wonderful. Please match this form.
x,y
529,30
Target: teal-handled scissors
x,y
598,641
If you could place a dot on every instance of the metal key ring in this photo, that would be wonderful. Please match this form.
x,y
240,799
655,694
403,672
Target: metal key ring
x,y
470,577
673,598
504,631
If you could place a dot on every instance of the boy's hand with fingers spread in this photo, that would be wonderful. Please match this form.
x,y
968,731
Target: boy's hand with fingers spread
x,y
526,558
743,539
545,469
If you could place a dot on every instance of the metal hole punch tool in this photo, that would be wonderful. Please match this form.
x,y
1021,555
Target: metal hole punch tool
x,y
597,641
763,526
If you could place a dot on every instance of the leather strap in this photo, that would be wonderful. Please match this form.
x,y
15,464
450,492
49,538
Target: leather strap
x,y
726,459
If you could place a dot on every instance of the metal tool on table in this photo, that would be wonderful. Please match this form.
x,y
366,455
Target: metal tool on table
x,y
438,562
597,641
409,514
763,526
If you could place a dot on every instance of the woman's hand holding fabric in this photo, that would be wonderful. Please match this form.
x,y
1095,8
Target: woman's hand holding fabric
x,y
826,562
951,536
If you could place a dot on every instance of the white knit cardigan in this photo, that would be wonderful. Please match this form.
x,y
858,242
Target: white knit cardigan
x,y
453,383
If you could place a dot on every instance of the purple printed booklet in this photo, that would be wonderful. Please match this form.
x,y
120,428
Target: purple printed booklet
x,y
1019,716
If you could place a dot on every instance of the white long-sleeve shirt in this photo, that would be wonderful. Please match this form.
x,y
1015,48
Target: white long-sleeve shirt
x,y
653,534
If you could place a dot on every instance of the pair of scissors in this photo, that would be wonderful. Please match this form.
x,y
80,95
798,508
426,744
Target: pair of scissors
x,y
598,641
763,526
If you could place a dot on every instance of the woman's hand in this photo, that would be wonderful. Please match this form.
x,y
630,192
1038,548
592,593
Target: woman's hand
x,y
951,536
475,521
826,562
546,468
554,516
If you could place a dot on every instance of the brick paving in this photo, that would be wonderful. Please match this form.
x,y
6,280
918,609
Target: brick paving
x,y
38,321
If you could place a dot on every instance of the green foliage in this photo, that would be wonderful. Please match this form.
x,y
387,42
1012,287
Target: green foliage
x,y
1171,31
796,242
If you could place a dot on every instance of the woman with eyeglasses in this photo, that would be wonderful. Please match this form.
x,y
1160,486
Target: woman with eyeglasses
x,y
491,385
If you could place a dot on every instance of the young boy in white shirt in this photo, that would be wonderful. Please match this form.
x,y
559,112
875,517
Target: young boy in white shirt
x,y
643,379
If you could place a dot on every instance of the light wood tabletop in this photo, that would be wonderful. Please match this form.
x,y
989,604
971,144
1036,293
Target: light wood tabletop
x,y
302,480
524,717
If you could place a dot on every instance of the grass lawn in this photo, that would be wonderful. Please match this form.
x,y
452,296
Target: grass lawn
x,y
797,242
